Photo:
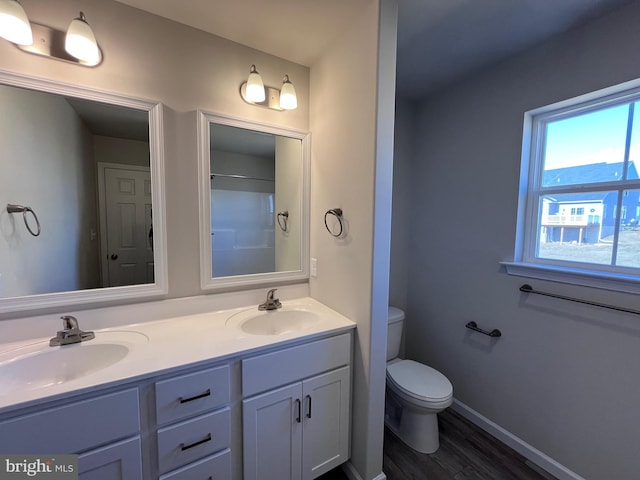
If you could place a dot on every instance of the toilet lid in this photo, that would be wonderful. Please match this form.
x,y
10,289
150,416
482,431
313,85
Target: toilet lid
x,y
418,380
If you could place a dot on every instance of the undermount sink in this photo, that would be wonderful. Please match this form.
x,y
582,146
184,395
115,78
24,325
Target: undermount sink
x,y
273,322
38,365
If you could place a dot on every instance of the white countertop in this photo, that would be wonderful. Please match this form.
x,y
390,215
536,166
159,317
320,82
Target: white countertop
x,y
170,343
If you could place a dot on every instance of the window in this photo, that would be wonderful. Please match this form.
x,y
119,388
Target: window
x,y
580,190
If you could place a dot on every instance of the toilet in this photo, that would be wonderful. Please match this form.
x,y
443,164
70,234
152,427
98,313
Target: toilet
x,y
415,393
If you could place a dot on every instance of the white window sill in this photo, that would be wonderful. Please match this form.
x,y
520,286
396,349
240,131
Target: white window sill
x,y
575,276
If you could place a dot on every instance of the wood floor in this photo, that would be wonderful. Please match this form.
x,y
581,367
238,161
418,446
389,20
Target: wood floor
x,y
466,453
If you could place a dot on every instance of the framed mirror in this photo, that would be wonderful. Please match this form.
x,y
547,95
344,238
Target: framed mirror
x,y
81,196
254,202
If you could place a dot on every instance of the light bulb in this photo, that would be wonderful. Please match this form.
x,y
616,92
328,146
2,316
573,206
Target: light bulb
x,y
288,98
255,87
81,42
14,24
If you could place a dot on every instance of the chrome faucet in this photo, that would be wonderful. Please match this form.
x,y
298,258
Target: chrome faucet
x,y
271,303
70,333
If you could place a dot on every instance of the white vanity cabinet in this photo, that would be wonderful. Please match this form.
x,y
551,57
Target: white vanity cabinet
x,y
296,411
104,430
276,413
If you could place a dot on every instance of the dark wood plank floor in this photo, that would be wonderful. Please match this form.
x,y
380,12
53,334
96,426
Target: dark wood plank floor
x,y
466,453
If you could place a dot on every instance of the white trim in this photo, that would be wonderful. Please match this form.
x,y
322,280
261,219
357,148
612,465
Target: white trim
x,y
574,276
68,89
351,472
207,282
534,455
111,294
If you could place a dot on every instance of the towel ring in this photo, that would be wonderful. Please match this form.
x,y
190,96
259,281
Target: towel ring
x,y
282,223
24,210
336,212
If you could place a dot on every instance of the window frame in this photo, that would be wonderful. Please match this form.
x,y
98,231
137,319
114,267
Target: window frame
x,y
525,263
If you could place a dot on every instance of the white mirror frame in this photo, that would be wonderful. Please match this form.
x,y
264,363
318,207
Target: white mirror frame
x,y
207,281
107,294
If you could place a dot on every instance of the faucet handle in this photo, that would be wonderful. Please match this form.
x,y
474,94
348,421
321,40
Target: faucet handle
x,y
69,322
271,293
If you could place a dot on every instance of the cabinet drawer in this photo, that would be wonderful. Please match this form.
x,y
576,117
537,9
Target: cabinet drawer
x,y
75,427
292,364
191,394
196,438
216,467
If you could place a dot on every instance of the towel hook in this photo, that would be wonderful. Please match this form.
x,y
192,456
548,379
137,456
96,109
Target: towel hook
x,y
11,208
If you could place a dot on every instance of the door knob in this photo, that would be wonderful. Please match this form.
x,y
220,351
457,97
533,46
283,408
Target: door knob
x,y
114,256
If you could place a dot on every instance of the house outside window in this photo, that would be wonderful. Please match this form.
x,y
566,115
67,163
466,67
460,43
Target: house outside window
x,y
579,208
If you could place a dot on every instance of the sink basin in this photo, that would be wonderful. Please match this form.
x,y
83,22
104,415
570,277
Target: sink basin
x,y
38,365
273,322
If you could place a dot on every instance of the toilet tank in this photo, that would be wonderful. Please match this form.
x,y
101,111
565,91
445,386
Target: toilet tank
x,y
394,333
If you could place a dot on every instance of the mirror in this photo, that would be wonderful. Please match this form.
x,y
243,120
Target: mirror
x,y
254,202
83,173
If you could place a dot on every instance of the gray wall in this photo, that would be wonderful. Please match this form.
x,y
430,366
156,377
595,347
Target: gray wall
x,y
46,163
564,376
402,210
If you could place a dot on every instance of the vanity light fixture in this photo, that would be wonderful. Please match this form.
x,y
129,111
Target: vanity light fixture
x,y
254,91
14,23
80,41
78,45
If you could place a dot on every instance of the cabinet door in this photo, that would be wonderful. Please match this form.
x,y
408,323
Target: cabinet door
x,y
326,412
272,435
120,461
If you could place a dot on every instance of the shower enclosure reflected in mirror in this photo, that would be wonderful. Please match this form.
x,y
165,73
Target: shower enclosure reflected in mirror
x,y
254,202
89,164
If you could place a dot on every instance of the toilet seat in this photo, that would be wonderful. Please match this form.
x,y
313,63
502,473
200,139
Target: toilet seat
x,y
419,382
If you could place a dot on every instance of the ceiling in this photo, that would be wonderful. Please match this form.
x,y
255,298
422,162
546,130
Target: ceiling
x,y
297,30
112,120
438,40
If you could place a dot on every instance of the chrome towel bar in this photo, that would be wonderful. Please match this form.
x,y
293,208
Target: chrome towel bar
x,y
529,289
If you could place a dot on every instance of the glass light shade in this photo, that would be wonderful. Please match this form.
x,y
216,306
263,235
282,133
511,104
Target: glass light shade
x,y
255,86
14,24
81,42
288,98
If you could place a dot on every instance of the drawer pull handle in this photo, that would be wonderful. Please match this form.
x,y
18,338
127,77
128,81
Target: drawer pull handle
x,y
309,411
191,399
206,439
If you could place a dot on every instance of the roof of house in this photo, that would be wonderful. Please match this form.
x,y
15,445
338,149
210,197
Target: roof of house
x,y
587,197
592,173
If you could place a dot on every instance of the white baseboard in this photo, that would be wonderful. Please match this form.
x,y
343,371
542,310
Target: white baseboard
x,y
353,474
531,453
